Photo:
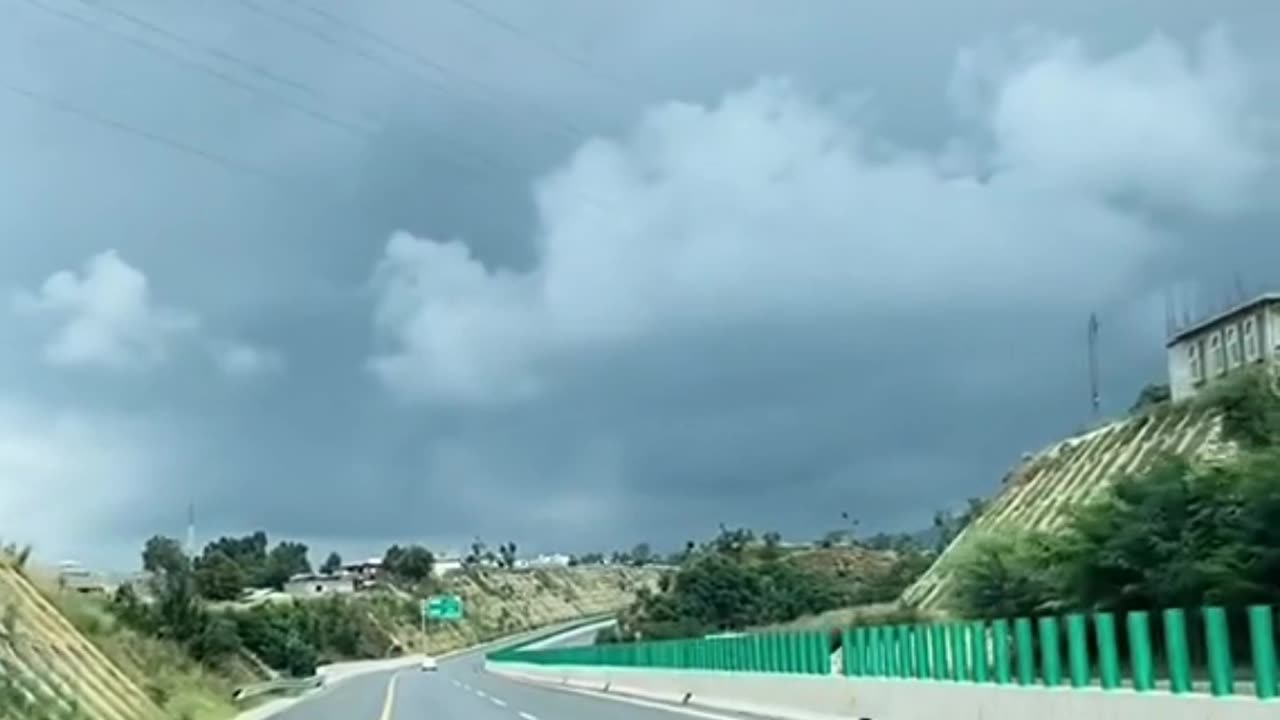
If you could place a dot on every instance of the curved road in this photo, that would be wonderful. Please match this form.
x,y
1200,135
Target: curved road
x,y
462,690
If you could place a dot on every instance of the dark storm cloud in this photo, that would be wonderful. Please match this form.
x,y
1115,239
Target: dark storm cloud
x,y
897,402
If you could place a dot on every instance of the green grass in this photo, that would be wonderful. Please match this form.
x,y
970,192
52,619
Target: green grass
x,y
182,687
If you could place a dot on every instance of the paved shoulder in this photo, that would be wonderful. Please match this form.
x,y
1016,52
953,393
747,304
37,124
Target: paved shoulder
x,y
356,698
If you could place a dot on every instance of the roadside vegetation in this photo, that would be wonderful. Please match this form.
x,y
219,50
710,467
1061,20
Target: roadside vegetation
x,y
738,581
1182,534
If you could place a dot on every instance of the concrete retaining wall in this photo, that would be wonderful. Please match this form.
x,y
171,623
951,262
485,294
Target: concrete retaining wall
x,y
801,697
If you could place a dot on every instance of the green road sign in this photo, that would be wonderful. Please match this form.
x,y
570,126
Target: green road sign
x,y
442,607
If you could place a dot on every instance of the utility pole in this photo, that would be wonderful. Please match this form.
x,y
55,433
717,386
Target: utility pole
x,y
1094,394
191,530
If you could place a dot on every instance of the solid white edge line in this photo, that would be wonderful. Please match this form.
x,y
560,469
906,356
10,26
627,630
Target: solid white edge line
x,y
679,710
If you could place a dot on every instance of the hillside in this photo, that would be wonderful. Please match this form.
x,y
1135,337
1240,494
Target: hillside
x,y
1039,492
49,663
501,602
63,648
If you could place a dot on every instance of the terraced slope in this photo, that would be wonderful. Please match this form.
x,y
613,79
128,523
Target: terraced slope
x,y
1037,493
54,664
501,602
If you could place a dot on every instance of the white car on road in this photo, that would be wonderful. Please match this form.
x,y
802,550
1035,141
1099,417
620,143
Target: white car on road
x,y
429,664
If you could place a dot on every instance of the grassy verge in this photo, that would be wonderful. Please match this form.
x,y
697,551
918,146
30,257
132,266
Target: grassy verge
x,y
182,687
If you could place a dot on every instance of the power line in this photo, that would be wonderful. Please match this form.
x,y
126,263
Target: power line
x,y
152,137
611,82
209,49
357,130
494,95
234,166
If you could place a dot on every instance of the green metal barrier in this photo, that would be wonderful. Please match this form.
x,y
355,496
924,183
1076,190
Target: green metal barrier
x,y
1025,651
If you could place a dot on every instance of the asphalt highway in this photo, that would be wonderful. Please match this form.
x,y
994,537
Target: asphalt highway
x,y
461,690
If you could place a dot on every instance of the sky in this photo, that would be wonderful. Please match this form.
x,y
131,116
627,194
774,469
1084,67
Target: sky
x,y
579,275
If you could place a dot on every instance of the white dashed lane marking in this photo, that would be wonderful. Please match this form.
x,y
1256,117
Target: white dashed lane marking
x,y
498,702
527,716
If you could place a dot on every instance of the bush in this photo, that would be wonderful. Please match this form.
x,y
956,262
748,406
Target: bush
x,y
1179,535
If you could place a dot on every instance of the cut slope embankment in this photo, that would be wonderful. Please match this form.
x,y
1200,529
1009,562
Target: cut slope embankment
x,y
1038,494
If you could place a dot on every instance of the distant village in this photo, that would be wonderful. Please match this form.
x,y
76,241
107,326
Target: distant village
x,y
348,579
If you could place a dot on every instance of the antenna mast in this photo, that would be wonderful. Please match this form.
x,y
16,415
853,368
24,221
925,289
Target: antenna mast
x,y
191,530
1094,395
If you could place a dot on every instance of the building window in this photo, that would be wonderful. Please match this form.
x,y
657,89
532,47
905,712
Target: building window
x,y
1193,362
1217,366
1234,356
1250,331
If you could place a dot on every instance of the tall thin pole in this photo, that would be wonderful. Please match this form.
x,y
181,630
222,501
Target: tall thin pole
x,y
1094,394
191,530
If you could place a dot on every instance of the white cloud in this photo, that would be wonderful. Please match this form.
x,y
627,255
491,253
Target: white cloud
x,y
1160,122
771,206
106,315
240,360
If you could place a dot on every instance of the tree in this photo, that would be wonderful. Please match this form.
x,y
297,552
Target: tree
x,y
1150,396
413,563
218,639
218,577
284,561
163,555
507,555
641,554
1007,575
772,546
332,564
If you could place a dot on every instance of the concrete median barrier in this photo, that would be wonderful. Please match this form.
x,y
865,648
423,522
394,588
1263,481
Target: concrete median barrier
x,y
815,697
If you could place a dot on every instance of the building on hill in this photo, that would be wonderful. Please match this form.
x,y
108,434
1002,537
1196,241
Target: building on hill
x,y
445,564
1242,336
309,585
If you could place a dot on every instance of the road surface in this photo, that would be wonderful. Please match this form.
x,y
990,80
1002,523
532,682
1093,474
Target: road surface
x,y
461,690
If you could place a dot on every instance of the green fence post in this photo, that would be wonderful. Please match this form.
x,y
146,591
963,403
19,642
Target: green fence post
x,y
978,645
1175,643
938,637
875,652
907,646
861,637
871,666
959,654
921,633
1108,652
806,653
1023,654
847,655
884,665
1050,652
1078,650
823,645
1262,639
893,659
1218,641
1000,646
1144,677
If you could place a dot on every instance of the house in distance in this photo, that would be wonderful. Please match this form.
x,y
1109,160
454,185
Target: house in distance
x,y
1245,335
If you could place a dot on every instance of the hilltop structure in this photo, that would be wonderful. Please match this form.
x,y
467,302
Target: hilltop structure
x,y
1040,492
1224,344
